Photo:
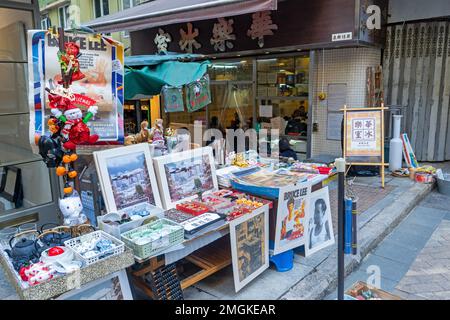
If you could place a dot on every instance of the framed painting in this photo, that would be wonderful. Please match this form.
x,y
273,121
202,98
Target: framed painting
x,y
183,175
127,177
249,237
320,225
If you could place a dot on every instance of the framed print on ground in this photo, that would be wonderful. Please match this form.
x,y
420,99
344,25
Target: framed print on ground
x,y
320,225
182,175
249,237
112,287
11,185
293,203
127,177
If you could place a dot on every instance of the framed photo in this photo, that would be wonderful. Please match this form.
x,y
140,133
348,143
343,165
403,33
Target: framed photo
x,y
249,236
320,225
293,203
113,287
11,185
182,175
127,177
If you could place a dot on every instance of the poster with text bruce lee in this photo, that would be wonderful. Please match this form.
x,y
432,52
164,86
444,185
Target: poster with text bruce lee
x,y
101,61
293,204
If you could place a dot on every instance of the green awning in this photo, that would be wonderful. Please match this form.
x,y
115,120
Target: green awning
x,y
149,80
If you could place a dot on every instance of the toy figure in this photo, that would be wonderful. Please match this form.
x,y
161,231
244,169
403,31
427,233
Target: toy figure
x,y
68,61
75,130
156,132
143,135
71,208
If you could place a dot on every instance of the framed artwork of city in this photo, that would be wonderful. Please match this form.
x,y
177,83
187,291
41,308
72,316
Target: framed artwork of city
x,y
127,177
183,175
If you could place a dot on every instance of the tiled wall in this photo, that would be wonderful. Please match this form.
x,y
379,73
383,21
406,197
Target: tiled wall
x,y
339,66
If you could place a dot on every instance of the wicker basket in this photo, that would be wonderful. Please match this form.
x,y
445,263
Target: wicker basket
x,y
97,235
150,248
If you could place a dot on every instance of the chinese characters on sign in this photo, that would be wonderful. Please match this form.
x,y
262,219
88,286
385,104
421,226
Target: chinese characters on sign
x,y
222,37
162,40
222,34
363,134
188,42
262,26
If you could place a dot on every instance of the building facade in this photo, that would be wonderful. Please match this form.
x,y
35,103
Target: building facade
x,y
62,13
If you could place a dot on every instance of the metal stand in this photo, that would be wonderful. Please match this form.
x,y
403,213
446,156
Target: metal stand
x,y
340,166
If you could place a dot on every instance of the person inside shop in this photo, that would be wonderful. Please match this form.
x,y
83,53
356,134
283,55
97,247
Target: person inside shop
x,y
214,124
297,125
286,150
319,226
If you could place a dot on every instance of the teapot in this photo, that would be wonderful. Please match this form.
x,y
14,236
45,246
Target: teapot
x,y
23,251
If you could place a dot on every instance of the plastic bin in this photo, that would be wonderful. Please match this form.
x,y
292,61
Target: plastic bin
x,y
444,184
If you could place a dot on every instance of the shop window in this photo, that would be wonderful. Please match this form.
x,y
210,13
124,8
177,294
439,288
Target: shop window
x,y
63,13
101,8
24,178
45,23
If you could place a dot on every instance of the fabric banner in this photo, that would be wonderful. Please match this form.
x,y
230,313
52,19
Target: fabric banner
x,y
101,61
172,99
198,94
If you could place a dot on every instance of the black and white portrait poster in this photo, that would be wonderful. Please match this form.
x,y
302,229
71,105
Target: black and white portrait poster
x,y
319,224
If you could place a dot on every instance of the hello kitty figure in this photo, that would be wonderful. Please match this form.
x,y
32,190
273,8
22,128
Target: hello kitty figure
x,y
71,209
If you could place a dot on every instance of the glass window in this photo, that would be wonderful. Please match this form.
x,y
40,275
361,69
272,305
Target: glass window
x,y
13,26
24,186
63,13
45,23
231,70
24,178
101,8
13,88
283,84
129,3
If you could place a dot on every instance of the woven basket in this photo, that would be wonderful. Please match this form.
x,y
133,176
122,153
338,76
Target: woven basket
x,y
150,248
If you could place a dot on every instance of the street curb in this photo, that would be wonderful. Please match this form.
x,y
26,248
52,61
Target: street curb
x,y
323,279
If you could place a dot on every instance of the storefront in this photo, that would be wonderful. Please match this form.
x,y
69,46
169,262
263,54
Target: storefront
x,y
293,72
28,191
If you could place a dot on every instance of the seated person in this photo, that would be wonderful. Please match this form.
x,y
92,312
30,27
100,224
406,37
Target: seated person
x,y
286,150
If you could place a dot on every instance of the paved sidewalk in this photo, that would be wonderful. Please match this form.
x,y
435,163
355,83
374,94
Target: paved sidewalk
x,y
414,260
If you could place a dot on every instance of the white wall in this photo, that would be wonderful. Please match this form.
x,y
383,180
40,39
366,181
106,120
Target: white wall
x,y
407,10
347,66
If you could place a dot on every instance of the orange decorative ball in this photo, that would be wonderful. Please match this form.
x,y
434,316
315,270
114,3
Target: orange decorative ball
x,y
72,174
68,190
66,159
73,157
60,171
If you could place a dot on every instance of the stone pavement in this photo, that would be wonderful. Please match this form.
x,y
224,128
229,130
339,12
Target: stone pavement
x,y
414,260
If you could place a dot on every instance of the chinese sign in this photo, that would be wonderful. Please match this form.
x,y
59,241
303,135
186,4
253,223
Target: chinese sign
x,y
162,40
188,41
363,133
262,26
223,34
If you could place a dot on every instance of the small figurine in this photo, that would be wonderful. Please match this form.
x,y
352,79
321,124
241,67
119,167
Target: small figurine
x,y
71,209
68,61
129,140
156,134
143,135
